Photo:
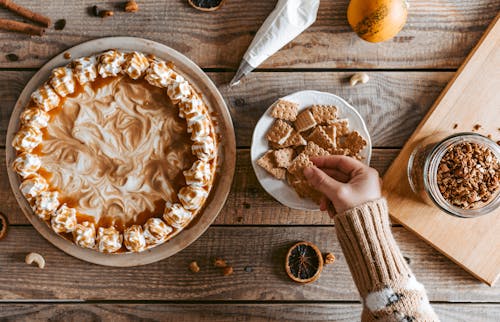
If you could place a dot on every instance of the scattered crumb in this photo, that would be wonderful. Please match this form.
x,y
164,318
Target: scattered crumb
x,y
228,270
455,126
193,267
476,127
131,6
490,136
219,262
106,13
407,259
60,24
329,258
67,55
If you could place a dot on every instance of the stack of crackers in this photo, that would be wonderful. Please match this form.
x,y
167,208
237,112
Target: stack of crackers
x,y
295,137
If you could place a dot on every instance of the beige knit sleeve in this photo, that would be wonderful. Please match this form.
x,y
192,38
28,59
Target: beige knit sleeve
x,y
385,282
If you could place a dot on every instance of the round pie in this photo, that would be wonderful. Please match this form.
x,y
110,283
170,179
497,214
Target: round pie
x,y
116,152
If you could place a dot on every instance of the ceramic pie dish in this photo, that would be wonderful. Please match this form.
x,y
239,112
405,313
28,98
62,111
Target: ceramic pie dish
x,y
120,172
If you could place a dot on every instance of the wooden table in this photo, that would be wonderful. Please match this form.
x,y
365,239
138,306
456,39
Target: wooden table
x,y
253,231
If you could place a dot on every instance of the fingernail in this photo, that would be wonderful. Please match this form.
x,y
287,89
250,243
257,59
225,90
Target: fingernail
x,y
308,172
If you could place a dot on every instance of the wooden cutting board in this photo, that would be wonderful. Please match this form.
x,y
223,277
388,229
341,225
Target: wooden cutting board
x,y
472,97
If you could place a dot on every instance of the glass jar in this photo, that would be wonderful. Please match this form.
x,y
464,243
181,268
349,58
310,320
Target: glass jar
x,y
423,167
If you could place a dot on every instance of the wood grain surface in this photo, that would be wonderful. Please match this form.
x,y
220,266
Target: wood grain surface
x,y
439,34
253,231
120,312
261,249
391,103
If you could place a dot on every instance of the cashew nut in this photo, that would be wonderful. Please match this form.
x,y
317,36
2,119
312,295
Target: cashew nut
x,y
359,78
37,258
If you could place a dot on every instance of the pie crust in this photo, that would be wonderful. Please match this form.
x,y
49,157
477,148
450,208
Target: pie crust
x,y
117,152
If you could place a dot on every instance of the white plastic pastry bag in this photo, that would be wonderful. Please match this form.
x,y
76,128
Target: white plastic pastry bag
x,y
289,19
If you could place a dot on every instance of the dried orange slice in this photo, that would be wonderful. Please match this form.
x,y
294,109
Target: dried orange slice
x,y
206,5
3,226
304,262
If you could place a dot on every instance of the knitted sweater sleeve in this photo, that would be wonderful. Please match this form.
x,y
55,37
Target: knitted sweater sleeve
x,y
384,280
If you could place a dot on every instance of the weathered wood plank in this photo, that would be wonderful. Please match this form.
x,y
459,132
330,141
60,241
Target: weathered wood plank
x,y
248,203
392,103
224,312
437,35
262,249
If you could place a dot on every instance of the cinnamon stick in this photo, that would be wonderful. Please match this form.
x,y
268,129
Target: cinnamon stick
x,y
25,12
25,28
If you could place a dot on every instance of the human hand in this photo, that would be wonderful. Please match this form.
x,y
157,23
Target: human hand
x,y
344,181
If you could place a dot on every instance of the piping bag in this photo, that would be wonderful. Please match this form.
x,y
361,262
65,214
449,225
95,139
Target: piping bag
x,y
289,19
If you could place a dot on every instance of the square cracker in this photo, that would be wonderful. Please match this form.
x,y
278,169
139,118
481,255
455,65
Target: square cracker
x,y
314,150
341,126
283,157
305,121
322,139
353,142
299,164
267,162
294,140
279,132
324,114
303,189
285,110
331,131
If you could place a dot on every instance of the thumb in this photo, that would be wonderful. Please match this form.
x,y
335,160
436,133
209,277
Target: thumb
x,y
320,181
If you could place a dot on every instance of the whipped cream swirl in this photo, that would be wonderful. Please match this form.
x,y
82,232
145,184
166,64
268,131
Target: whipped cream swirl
x,y
46,204
46,98
26,164
133,238
192,197
110,63
85,69
200,174
136,64
176,215
64,220
62,81
27,138
156,231
84,235
34,117
109,240
33,186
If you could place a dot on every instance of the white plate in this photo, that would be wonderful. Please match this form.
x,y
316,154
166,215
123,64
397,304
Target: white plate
x,y
279,189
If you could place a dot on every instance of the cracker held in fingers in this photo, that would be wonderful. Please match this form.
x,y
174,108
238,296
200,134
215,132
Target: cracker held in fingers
x,y
283,157
299,164
279,132
267,162
324,114
305,121
285,110
314,150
